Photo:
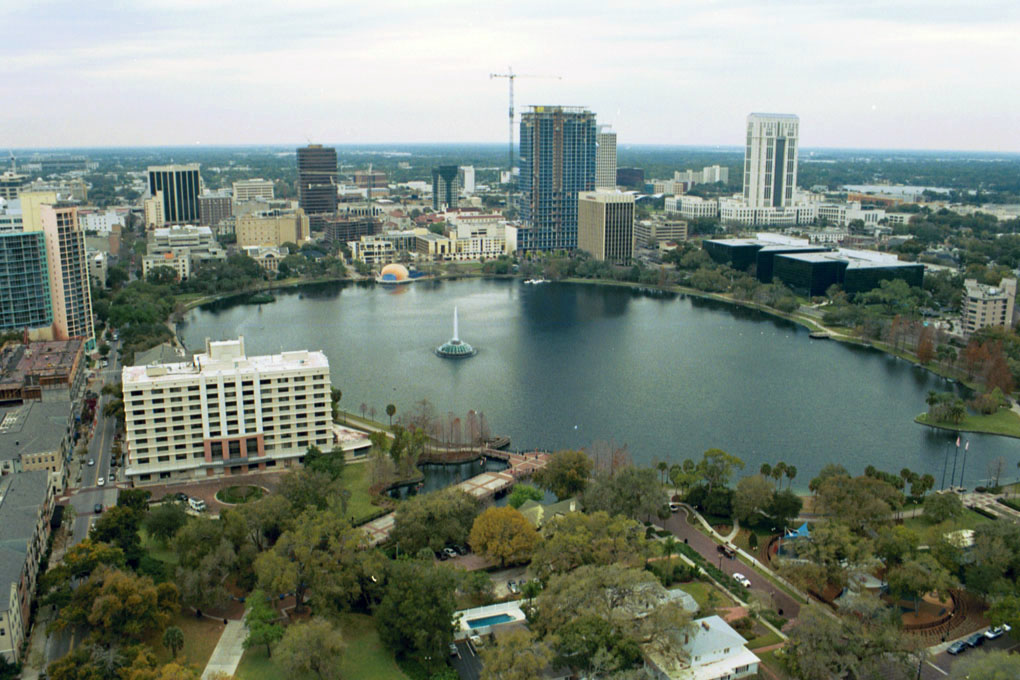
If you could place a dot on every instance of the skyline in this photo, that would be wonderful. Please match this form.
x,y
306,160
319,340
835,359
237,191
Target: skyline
x,y
917,76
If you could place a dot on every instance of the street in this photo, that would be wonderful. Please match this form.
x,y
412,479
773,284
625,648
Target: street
x,y
679,526
940,665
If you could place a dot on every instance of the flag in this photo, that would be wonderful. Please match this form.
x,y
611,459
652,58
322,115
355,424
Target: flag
x,y
957,441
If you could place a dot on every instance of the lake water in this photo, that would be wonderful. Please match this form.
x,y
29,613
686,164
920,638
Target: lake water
x,y
564,365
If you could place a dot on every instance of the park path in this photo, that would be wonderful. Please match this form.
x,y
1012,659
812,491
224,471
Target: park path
x,y
228,652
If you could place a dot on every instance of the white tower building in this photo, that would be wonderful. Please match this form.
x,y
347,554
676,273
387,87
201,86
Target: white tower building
x,y
770,160
605,158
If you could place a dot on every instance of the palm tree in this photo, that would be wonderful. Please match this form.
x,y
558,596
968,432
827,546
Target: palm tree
x,y
791,472
363,407
675,472
778,471
173,639
765,470
390,410
663,467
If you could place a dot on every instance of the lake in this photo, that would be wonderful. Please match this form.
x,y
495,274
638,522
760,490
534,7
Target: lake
x,y
568,365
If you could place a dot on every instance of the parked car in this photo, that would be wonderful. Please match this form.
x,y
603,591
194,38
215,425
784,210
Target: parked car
x,y
997,631
742,580
197,504
442,555
100,482
461,549
92,461
513,587
975,640
453,650
182,497
98,508
727,551
957,647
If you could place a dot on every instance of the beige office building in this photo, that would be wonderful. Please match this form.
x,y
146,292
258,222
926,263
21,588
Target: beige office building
x,y
986,306
272,228
225,413
605,225
153,207
253,189
650,233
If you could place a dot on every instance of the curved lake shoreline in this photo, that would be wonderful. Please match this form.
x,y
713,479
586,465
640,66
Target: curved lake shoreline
x,y
565,366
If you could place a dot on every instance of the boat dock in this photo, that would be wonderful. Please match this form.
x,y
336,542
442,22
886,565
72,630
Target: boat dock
x,y
482,486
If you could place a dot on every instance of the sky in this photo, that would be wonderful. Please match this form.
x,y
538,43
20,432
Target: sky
x,y
903,74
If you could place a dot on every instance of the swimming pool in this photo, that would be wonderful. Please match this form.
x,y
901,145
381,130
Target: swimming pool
x,y
490,620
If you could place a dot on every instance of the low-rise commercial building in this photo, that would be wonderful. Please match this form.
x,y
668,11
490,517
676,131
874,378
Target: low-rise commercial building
x,y
225,413
986,306
53,370
691,207
179,260
267,257
26,505
341,229
857,271
36,435
650,233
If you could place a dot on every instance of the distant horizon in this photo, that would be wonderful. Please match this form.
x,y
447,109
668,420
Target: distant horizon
x,y
395,146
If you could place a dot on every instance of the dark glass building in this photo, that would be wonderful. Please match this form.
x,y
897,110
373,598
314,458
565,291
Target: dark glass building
x,y
24,281
181,186
445,187
317,179
813,273
557,163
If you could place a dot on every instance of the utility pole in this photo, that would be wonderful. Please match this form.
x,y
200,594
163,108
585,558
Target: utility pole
x,y
510,76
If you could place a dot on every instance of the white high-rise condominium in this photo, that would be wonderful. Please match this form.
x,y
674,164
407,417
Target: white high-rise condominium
x,y
605,158
770,160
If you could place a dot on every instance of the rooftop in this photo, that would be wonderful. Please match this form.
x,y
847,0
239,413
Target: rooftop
x,y
33,427
226,357
21,496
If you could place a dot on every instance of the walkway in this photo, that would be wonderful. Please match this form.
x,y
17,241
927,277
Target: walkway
x,y
481,486
228,652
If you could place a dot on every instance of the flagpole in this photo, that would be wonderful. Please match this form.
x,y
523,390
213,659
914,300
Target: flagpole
x,y
945,464
964,466
953,478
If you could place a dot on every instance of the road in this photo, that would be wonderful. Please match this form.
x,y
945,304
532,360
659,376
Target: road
x,y
678,525
940,665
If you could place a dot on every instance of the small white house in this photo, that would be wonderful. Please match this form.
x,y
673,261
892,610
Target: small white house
x,y
713,651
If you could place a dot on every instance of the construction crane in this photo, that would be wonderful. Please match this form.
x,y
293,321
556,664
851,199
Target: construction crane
x,y
510,76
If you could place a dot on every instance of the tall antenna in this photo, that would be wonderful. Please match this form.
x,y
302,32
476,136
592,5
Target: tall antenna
x,y
510,76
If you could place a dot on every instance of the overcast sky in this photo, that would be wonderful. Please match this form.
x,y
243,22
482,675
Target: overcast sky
x,y
923,74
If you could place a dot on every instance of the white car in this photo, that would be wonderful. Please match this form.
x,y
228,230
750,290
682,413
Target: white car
x,y
100,482
742,580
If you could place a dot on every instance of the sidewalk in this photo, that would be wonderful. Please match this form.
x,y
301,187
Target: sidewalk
x,y
228,652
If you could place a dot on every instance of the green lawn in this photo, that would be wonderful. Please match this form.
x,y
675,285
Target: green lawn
x,y
356,480
699,590
968,520
764,640
1004,422
200,638
769,659
239,494
365,659
161,552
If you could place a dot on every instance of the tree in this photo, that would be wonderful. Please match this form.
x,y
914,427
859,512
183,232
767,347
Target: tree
x,y
926,345
330,464
390,410
633,492
262,622
316,555
415,615
434,520
314,646
784,507
173,639
858,646
917,577
565,474
307,488
752,495
576,539
592,644
995,664
504,534
834,548
940,507
791,473
522,493
120,605
119,526
895,545
206,558
165,520
717,466
859,501
516,656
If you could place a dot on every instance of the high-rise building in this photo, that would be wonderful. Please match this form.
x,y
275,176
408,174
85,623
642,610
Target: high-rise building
x,y
10,184
557,163
272,228
986,306
770,160
153,207
317,182
237,413
605,158
467,179
252,189
605,225
181,187
24,281
445,187
213,208
68,267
